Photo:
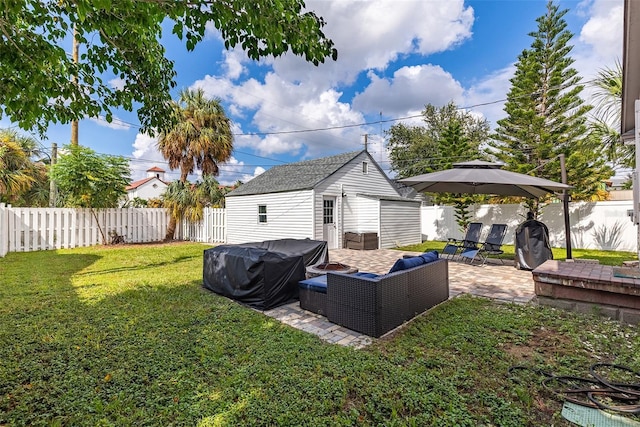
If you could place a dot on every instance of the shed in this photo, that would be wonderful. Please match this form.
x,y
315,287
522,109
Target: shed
x,y
322,199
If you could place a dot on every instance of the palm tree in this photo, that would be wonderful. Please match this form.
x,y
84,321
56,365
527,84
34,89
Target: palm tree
x,y
607,114
19,174
200,140
182,201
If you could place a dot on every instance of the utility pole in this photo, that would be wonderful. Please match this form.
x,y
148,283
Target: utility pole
x,y
74,79
52,184
366,141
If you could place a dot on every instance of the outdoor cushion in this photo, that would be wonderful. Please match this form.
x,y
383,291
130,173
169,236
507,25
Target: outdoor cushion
x,y
317,284
429,256
405,263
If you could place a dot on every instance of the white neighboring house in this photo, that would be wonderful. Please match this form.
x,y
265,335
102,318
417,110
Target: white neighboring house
x,y
150,187
322,199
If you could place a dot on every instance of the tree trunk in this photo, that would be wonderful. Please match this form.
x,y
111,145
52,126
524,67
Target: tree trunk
x,y
173,222
95,215
171,229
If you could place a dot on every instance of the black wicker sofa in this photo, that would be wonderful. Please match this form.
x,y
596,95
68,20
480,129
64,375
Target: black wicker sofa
x,y
375,304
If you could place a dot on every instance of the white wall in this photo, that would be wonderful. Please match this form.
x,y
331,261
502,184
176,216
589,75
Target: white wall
x,y
356,214
594,225
147,190
289,215
399,223
368,219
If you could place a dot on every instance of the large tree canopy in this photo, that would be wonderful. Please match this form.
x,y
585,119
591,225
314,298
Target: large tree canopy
x,y
547,117
120,40
449,135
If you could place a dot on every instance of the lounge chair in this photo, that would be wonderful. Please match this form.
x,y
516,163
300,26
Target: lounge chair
x,y
471,241
491,246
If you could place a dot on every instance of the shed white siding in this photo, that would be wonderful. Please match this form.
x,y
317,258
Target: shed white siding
x,y
368,216
350,179
289,215
400,223
354,213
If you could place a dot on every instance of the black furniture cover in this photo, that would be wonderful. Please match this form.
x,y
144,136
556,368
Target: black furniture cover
x,y
313,251
262,275
532,245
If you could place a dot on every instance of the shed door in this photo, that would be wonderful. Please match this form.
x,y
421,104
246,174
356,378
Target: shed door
x,y
328,222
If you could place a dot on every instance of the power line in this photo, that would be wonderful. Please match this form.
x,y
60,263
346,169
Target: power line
x,y
380,122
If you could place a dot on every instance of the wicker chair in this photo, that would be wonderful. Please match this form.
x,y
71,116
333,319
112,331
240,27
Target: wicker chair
x,y
374,306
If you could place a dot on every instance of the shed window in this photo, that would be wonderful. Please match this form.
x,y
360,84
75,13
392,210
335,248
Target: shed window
x,y
262,213
365,168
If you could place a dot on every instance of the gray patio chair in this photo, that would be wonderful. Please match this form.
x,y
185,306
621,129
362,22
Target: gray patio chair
x,y
491,246
471,241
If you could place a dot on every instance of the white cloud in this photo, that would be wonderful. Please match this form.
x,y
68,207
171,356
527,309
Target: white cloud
x,y
603,31
372,34
491,91
233,170
281,106
257,171
146,155
410,89
117,83
233,60
368,35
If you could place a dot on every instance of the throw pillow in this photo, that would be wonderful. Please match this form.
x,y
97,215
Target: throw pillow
x,y
429,256
405,263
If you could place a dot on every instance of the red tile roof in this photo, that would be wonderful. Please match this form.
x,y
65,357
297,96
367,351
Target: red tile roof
x,y
138,183
155,169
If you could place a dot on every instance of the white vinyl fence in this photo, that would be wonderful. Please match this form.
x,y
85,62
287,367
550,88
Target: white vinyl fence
x,y
594,225
597,225
33,229
212,228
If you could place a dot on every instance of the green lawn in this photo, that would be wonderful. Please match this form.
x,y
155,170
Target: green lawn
x,y
126,335
605,257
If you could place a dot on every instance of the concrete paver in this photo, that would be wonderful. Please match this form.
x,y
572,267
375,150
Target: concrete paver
x,y
495,281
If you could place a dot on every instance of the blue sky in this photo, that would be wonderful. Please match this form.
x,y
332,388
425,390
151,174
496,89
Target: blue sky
x,y
395,56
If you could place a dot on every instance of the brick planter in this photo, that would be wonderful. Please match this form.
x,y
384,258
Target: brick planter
x,y
588,287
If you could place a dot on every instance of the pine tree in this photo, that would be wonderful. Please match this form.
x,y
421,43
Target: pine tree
x,y
546,116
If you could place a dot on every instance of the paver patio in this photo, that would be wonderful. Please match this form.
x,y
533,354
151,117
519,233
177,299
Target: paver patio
x,y
496,281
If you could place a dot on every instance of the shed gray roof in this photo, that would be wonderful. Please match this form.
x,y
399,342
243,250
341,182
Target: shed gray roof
x,y
295,176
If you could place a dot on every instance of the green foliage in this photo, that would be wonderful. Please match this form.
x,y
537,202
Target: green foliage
x,y
461,211
86,179
201,136
127,336
547,117
449,135
186,200
23,178
211,192
122,40
136,202
200,140
607,116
